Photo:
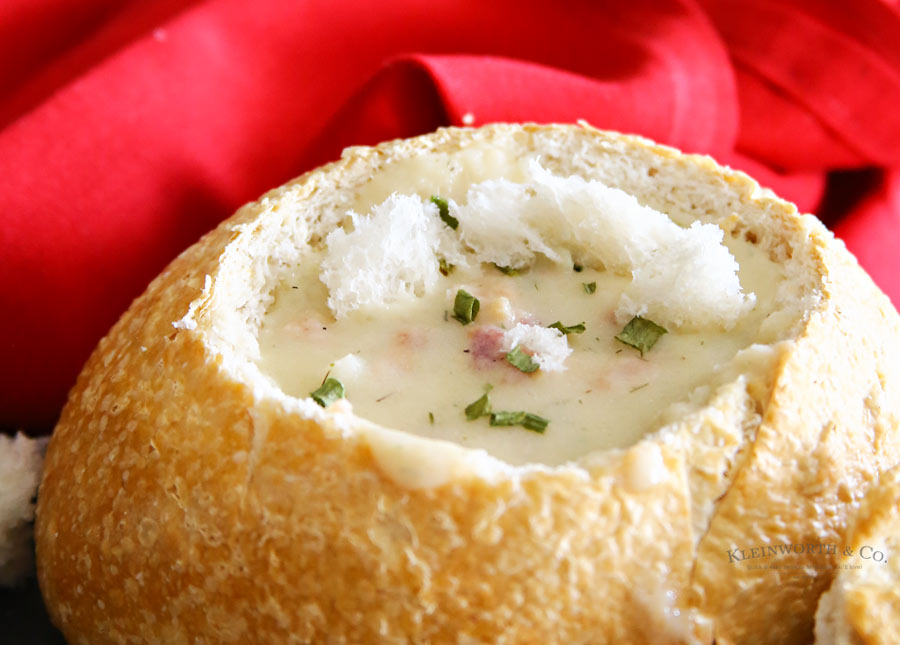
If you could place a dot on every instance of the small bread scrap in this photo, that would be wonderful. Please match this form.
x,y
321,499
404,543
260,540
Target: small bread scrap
x,y
20,472
862,607
189,496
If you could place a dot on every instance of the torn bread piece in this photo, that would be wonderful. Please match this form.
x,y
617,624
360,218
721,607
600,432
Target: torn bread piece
x,y
20,471
352,422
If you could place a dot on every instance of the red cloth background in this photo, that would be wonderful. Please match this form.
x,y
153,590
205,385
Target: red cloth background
x,y
129,128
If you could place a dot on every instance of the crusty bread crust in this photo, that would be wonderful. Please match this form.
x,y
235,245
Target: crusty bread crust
x,y
863,605
185,500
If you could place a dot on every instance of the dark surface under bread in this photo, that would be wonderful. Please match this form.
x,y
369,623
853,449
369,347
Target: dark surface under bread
x,y
23,618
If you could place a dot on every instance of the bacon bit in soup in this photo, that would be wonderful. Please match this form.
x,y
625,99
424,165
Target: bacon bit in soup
x,y
411,338
486,343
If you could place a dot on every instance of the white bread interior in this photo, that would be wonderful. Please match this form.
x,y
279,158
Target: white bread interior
x,y
186,497
680,275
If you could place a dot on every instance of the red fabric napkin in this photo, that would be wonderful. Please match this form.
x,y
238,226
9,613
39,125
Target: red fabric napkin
x,y
129,128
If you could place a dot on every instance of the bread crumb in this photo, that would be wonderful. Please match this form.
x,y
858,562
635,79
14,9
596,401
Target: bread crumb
x,y
549,346
349,368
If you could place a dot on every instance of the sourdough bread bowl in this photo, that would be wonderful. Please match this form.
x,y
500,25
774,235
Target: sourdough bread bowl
x,y
193,492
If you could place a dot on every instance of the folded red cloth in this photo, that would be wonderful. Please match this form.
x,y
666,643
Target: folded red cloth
x,y
128,129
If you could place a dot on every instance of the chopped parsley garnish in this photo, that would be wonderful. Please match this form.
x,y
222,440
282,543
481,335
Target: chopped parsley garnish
x,y
444,267
482,408
522,361
431,418
465,307
479,408
329,392
571,329
444,212
577,268
507,270
527,420
641,334
589,287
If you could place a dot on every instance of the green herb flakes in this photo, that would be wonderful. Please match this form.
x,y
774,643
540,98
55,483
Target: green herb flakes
x,y
641,334
534,422
482,408
589,287
522,361
465,307
577,268
444,267
329,392
431,418
527,420
507,270
444,212
571,329
479,408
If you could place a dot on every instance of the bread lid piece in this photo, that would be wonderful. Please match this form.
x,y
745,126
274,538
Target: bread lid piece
x,y
188,496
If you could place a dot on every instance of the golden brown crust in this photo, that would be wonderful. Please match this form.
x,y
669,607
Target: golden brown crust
x,y
863,605
818,449
180,503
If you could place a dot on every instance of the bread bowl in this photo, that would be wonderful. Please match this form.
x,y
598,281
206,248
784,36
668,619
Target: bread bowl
x,y
191,493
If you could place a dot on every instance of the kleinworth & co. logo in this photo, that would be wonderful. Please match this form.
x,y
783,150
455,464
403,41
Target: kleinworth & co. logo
x,y
784,556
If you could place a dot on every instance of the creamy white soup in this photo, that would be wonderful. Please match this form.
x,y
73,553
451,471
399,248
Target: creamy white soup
x,y
414,366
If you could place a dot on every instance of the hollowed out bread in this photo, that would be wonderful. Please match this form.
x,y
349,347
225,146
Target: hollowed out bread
x,y
862,607
187,498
